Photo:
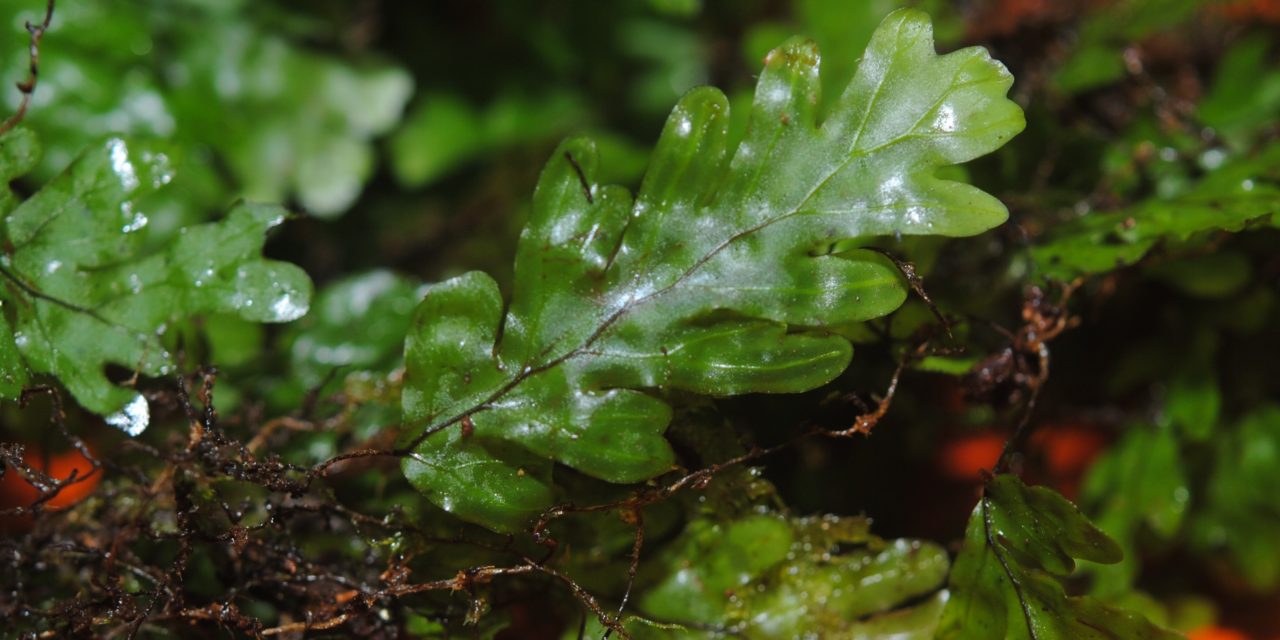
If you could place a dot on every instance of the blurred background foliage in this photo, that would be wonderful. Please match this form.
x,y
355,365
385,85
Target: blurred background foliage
x,y
411,134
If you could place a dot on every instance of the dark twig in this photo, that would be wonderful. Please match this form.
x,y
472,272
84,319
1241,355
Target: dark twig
x,y
28,86
916,282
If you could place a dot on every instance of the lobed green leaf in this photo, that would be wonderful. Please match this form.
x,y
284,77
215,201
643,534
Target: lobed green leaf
x,y
1005,582
80,293
714,279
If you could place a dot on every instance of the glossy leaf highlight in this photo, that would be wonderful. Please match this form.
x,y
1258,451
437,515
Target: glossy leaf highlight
x,y
81,293
715,279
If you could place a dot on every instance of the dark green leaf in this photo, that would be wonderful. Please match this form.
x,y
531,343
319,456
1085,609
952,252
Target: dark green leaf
x,y
707,281
1138,486
1229,198
1245,95
1005,583
1241,513
1215,275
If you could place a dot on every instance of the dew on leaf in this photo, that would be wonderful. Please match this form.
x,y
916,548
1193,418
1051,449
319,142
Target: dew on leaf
x,y
139,221
133,418
121,165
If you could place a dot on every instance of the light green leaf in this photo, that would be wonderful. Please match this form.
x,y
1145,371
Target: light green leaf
x,y
711,280
1005,583
81,294
19,152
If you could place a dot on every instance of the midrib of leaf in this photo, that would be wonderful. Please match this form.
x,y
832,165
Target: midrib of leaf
x,y
994,547
529,371
875,97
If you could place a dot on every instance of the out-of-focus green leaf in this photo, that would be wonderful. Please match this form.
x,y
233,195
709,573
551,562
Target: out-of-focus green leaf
x,y
712,562
1213,275
950,365
1019,543
767,577
444,132
1245,94
1194,401
1137,486
19,152
1228,199
283,118
677,8
674,61
1241,509
1092,65
707,282
233,341
1151,160
357,323
1099,55
81,294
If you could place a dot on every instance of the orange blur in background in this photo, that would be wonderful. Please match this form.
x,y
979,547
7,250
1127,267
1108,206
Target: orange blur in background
x,y
15,491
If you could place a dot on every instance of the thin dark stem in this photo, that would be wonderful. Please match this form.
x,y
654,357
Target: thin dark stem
x,y
28,86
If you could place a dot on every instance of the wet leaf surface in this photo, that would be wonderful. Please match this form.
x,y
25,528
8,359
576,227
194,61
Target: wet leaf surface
x,y
83,294
711,280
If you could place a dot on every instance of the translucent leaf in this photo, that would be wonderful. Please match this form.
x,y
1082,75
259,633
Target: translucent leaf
x,y
1216,275
1098,56
358,323
1005,583
711,562
1245,95
713,279
1240,509
444,132
1138,486
1229,198
768,577
80,294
